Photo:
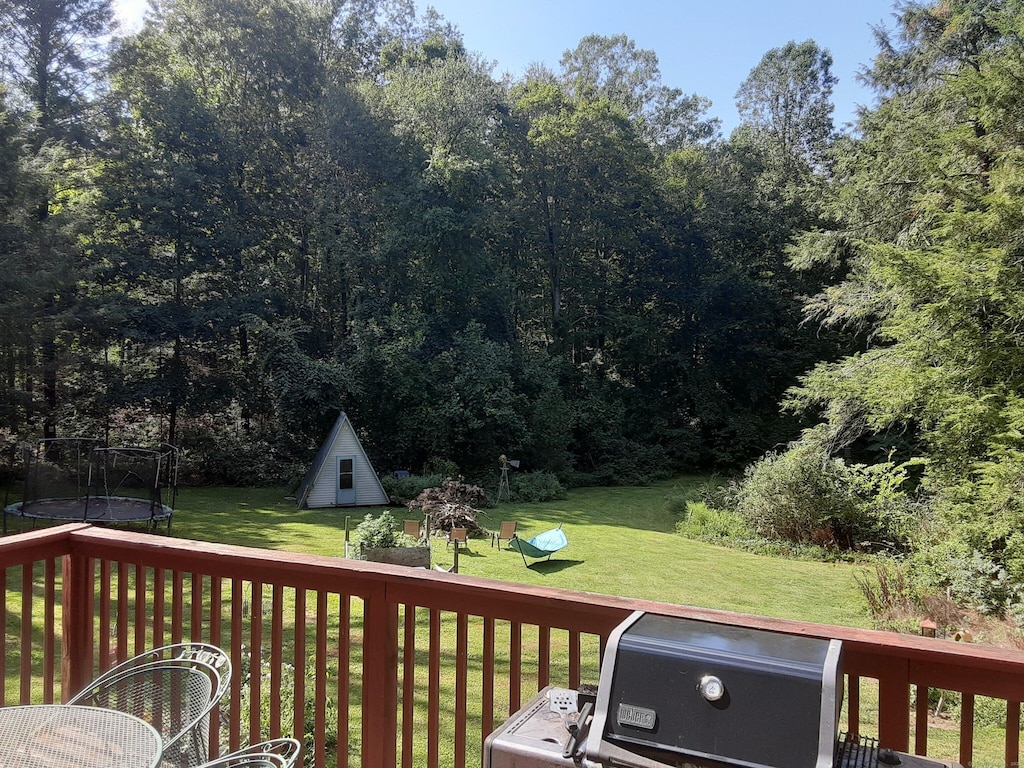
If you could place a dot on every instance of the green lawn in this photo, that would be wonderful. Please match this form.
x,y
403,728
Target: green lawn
x,y
621,542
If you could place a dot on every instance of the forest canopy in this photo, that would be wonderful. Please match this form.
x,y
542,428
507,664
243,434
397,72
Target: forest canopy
x,y
222,229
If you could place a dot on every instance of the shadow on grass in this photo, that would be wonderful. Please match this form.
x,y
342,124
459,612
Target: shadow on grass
x,y
553,566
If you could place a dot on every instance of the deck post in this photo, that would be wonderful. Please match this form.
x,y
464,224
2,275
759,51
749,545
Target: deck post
x,y
76,624
894,703
380,679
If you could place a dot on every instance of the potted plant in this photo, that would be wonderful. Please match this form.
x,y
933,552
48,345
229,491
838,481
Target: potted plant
x,y
381,542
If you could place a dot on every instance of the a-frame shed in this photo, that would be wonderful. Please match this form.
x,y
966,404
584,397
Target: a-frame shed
x,y
341,474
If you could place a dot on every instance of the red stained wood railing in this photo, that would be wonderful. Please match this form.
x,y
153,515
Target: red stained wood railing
x,y
386,666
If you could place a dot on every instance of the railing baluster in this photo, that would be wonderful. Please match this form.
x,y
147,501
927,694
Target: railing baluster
x,y
141,641
122,612
196,628
461,681
344,671
921,708
26,632
255,660
433,688
966,728
3,634
1012,748
276,659
408,683
105,660
543,656
298,724
177,606
237,612
487,713
574,659
515,666
49,627
320,689
216,638
159,607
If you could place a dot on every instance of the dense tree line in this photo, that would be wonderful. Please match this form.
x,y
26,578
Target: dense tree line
x,y
223,228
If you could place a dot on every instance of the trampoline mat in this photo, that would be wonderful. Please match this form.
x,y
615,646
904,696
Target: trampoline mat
x,y
113,509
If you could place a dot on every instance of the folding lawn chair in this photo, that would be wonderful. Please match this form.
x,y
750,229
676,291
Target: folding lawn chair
x,y
508,530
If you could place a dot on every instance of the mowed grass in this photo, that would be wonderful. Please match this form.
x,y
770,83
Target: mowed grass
x,y
622,542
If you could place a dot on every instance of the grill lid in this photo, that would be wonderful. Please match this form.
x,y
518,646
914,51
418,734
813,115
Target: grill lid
x,y
711,692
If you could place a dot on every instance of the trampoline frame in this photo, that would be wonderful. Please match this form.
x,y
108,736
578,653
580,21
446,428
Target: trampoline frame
x,y
97,504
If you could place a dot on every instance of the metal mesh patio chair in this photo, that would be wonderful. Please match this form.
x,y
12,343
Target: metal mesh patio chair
x,y
285,748
238,760
174,688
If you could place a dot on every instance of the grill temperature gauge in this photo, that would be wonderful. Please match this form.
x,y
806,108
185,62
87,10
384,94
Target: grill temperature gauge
x,y
711,688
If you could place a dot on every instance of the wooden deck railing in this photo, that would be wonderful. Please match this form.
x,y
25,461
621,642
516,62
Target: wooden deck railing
x,y
379,665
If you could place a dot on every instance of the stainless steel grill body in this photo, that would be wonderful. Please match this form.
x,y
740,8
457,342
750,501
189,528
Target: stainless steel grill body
x,y
534,737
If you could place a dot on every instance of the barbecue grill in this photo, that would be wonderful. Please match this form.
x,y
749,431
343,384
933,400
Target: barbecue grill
x,y
678,692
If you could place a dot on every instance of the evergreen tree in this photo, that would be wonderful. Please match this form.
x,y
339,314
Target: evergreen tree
x,y
930,240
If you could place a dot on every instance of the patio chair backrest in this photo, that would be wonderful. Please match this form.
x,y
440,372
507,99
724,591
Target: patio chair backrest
x,y
174,689
240,760
285,748
184,652
458,534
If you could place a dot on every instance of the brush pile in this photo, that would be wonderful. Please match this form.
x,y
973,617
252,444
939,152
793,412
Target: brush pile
x,y
453,505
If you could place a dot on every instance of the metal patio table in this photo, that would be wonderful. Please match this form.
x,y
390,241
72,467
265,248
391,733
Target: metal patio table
x,y
62,736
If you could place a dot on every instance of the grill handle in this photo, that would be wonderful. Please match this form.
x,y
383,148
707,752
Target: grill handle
x,y
578,732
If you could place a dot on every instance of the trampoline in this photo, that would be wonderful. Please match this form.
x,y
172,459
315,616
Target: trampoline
x,y
83,480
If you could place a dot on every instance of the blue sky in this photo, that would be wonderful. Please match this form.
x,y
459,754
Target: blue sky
x,y
707,47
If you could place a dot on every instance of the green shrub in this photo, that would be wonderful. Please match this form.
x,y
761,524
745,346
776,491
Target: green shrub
x,y
719,494
378,533
536,487
805,496
797,496
969,577
714,525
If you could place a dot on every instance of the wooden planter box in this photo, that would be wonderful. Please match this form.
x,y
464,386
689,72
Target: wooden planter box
x,y
414,557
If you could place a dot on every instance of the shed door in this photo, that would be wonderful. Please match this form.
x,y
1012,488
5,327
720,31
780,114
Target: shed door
x,y
345,490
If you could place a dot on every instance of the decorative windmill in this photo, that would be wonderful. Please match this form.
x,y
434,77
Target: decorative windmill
x,y
506,464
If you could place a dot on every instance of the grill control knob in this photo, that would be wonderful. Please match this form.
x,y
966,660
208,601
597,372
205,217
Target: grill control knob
x,y
711,688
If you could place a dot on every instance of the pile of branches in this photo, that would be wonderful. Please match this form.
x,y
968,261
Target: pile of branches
x,y
453,505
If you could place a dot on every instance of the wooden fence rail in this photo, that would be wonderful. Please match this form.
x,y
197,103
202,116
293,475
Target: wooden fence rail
x,y
378,665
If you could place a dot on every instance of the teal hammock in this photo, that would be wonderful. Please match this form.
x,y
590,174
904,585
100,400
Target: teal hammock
x,y
542,545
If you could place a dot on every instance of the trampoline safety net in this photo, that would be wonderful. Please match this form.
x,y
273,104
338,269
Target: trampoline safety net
x,y
78,479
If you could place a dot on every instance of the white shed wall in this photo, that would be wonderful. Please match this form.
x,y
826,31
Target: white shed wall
x,y
368,490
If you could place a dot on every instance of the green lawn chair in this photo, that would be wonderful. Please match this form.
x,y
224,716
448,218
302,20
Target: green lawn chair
x,y
542,545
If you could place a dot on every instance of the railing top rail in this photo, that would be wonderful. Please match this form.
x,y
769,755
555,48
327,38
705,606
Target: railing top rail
x,y
41,544
552,606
